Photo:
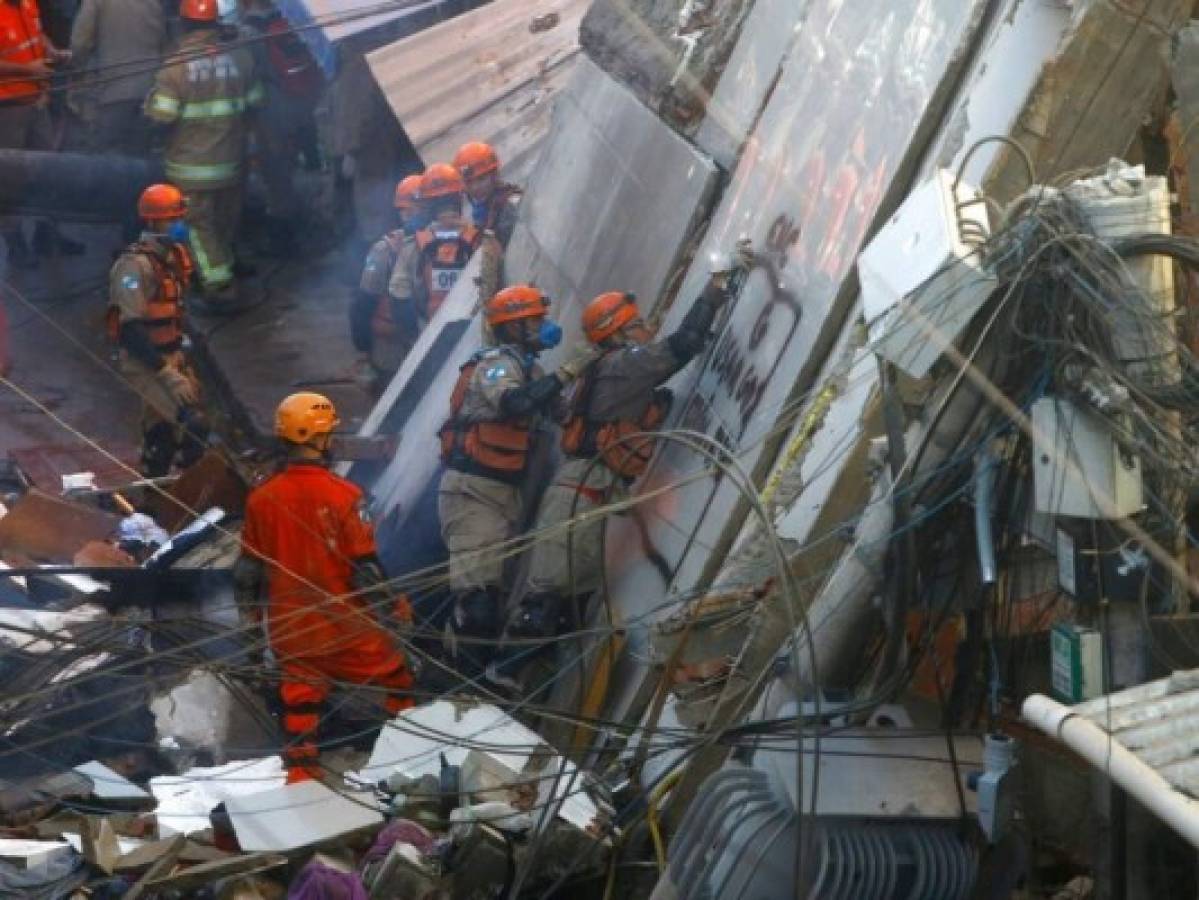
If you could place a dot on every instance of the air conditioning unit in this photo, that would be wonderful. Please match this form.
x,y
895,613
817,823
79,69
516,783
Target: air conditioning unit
x,y
922,279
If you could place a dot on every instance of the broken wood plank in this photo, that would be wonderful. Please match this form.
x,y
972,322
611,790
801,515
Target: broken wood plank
x,y
158,869
52,529
206,873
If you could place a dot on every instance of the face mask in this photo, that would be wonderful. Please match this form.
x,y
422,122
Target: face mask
x,y
178,232
549,334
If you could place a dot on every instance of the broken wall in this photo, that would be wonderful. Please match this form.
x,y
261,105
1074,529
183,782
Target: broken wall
x,y
593,217
670,53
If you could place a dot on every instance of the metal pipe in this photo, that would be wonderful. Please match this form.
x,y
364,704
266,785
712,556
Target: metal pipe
x,y
985,467
1108,755
80,184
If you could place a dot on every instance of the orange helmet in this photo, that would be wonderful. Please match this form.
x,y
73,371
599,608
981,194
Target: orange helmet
x,y
521,301
440,180
408,193
301,417
199,10
476,159
159,202
607,314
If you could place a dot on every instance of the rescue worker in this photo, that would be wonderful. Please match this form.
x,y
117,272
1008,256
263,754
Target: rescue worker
x,y
145,319
618,396
493,203
440,251
292,83
111,40
308,549
27,58
204,97
382,328
485,445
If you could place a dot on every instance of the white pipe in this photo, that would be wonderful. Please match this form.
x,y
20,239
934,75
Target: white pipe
x,y
1094,745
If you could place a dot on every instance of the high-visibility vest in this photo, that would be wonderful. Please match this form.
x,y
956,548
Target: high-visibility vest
x,y
163,315
444,253
585,437
497,449
21,41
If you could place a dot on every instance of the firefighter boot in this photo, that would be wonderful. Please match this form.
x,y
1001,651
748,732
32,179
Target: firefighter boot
x,y
476,626
195,436
158,449
538,619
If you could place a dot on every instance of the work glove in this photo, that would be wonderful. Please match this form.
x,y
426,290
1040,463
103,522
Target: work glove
x,y
724,262
582,356
182,388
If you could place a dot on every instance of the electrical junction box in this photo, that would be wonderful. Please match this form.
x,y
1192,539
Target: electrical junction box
x,y
1078,468
1076,661
1101,563
922,279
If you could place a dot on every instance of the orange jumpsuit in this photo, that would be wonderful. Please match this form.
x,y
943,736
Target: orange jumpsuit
x,y
309,527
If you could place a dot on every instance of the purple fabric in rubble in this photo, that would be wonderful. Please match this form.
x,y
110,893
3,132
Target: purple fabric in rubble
x,y
319,882
401,831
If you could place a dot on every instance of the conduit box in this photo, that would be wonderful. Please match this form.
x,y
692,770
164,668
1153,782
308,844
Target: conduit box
x,y
1078,467
1076,655
922,278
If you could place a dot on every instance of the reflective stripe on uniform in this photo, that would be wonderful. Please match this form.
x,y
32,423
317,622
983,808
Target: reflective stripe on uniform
x,y
212,109
162,106
190,172
212,276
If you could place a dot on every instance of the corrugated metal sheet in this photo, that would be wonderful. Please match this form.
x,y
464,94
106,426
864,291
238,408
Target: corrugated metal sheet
x,y
1159,723
486,75
322,23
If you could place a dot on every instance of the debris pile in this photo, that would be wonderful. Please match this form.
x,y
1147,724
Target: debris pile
x,y
452,801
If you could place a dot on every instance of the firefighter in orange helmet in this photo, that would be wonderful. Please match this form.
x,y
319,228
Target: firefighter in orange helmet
x,y
203,97
308,550
145,319
428,272
494,203
485,445
618,396
382,327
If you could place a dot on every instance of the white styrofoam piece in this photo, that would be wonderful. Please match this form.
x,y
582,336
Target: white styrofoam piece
x,y
298,815
184,801
413,743
31,854
110,785
1078,469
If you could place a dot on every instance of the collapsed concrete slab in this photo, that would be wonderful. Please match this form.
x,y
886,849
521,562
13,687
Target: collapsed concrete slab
x,y
1111,67
613,201
826,151
669,53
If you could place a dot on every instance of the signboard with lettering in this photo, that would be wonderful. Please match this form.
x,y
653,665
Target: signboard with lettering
x,y
851,96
